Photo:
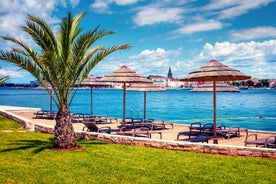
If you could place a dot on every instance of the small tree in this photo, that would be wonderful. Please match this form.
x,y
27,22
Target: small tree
x,y
62,61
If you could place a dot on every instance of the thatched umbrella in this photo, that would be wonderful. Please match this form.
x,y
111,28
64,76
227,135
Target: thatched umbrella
x,y
144,87
215,71
125,75
220,87
92,82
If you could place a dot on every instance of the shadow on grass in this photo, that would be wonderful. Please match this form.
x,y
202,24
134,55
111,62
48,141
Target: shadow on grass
x,y
37,145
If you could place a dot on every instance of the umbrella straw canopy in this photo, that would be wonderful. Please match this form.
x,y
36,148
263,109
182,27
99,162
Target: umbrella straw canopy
x,y
144,87
125,75
91,82
215,71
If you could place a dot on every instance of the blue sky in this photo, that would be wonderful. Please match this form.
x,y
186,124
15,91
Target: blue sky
x,y
183,34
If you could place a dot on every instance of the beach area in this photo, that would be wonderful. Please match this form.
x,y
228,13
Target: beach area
x,y
174,106
170,133
183,108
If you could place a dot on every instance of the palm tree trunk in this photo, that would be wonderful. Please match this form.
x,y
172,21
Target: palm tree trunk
x,y
64,131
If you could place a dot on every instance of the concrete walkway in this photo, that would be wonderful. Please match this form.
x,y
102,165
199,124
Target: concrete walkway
x,y
18,109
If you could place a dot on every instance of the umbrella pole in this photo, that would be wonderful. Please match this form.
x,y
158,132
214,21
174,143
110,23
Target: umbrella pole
x,y
145,104
124,107
51,101
214,105
91,98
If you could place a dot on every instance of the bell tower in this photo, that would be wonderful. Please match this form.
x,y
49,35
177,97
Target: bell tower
x,y
170,73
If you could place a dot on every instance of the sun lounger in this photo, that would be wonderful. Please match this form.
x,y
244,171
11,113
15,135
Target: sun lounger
x,y
112,119
228,132
77,117
127,123
161,125
137,122
40,114
198,138
101,119
98,119
92,127
51,115
182,133
155,125
45,115
253,139
196,128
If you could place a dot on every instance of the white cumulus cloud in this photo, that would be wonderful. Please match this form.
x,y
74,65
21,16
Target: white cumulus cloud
x,y
15,14
147,62
154,61
254,58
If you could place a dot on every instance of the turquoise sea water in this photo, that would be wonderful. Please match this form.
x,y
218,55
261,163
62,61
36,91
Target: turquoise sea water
x,y
178,106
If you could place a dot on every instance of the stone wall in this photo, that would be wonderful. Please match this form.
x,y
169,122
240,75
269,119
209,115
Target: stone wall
x,y
171,145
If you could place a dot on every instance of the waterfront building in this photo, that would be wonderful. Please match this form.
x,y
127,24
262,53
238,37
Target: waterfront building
x,y
158,80
168,82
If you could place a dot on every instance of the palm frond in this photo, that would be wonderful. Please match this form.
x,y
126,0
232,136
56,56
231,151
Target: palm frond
x,y
93,61
3,79
74,26
42,32
29,52
90,62
22,62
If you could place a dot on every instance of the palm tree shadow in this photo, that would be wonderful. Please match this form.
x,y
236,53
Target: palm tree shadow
x,y
37,145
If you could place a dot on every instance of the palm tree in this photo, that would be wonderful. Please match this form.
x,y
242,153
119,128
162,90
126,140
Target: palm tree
x,y
62,62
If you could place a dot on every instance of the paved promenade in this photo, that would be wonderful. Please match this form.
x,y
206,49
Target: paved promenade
x,y
27,114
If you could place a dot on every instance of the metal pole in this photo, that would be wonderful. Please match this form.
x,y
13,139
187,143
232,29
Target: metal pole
x,y
214,105
124,107
145,104
91,101
51,101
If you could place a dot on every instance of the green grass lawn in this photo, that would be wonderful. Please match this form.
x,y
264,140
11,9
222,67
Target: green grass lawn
x,y
7,124
25,158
